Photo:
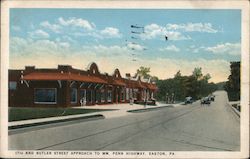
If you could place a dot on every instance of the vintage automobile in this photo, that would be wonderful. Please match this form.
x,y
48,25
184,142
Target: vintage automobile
x,y
188,100
205,100
211,97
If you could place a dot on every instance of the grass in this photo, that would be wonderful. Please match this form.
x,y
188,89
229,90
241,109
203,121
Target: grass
x,y
25,113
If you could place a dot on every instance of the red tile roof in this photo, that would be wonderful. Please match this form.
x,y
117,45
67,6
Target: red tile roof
x,y
36,76
118,82
135,84
149,86
63,76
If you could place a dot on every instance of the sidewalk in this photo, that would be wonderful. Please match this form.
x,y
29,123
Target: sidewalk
x,y
234,109
119,110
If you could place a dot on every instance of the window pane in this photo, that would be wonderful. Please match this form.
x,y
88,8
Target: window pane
x,y
123,94
45,95
89,95
12,85
98,96
73,95
109,96
127,94
102,95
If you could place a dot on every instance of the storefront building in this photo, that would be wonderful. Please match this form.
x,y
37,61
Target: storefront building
x,y
69,87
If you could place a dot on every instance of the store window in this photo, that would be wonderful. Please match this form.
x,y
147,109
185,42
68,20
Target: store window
x,y
12,85
73,95
135,92
45,95
123,94
102,95
98,96
109,95
127,93
89,96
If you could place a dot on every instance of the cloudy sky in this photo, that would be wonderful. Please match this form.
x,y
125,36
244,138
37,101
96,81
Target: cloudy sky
x,y
196,38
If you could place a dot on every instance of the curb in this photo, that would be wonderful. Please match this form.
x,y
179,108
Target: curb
x,y
235,110
148,109
90,117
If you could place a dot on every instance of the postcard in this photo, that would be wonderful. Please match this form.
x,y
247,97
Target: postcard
x,y
124,79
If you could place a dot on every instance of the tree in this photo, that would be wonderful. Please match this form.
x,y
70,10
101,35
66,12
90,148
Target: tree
x,y
232,86
195,85
143,71
206,77
177,75
154,78
197,73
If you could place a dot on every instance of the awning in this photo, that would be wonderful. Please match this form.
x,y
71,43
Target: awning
x,y
38,76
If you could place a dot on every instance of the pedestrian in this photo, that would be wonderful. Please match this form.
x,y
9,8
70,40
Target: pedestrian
x,y
81,102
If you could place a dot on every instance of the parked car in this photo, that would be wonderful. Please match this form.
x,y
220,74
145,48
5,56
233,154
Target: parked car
x,y
188,100
205,100
211,97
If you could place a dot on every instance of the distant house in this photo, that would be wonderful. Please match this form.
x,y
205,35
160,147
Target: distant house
x,y
68,87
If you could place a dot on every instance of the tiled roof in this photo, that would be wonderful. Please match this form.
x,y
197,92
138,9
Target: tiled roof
x,y
63,76
118,82
149,85
83,76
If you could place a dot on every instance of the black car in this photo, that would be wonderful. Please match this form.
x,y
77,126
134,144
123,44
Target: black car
x,y
188,100
211,97
205,100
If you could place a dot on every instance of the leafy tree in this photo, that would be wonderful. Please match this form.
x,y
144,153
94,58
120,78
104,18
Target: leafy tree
x,y
207,77
197,73
221,85
177,75
196,86
143,71
232,86
154,78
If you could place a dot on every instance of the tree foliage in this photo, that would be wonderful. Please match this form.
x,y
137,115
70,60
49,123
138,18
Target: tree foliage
x,y
232,86
195,85
144,72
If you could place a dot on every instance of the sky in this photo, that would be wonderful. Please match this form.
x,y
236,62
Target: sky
x,y
209,39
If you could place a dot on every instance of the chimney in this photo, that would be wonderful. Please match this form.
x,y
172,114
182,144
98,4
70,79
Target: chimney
x,y
64,68
29,69
128,75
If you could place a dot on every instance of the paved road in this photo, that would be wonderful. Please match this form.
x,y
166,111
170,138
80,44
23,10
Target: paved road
x,y
184,128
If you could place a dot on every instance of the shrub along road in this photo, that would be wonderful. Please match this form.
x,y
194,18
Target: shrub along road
x,y
187,127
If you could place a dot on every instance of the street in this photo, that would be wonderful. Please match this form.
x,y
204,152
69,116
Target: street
x,y
184,128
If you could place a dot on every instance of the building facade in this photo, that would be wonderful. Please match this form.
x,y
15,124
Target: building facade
x,y
69,87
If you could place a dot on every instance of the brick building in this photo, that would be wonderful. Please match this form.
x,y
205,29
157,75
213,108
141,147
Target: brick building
x,y
68,87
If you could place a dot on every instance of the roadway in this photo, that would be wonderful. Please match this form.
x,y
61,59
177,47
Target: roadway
x,y
183,128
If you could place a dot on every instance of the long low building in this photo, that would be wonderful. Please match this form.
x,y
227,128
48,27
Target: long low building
x,y
68,87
